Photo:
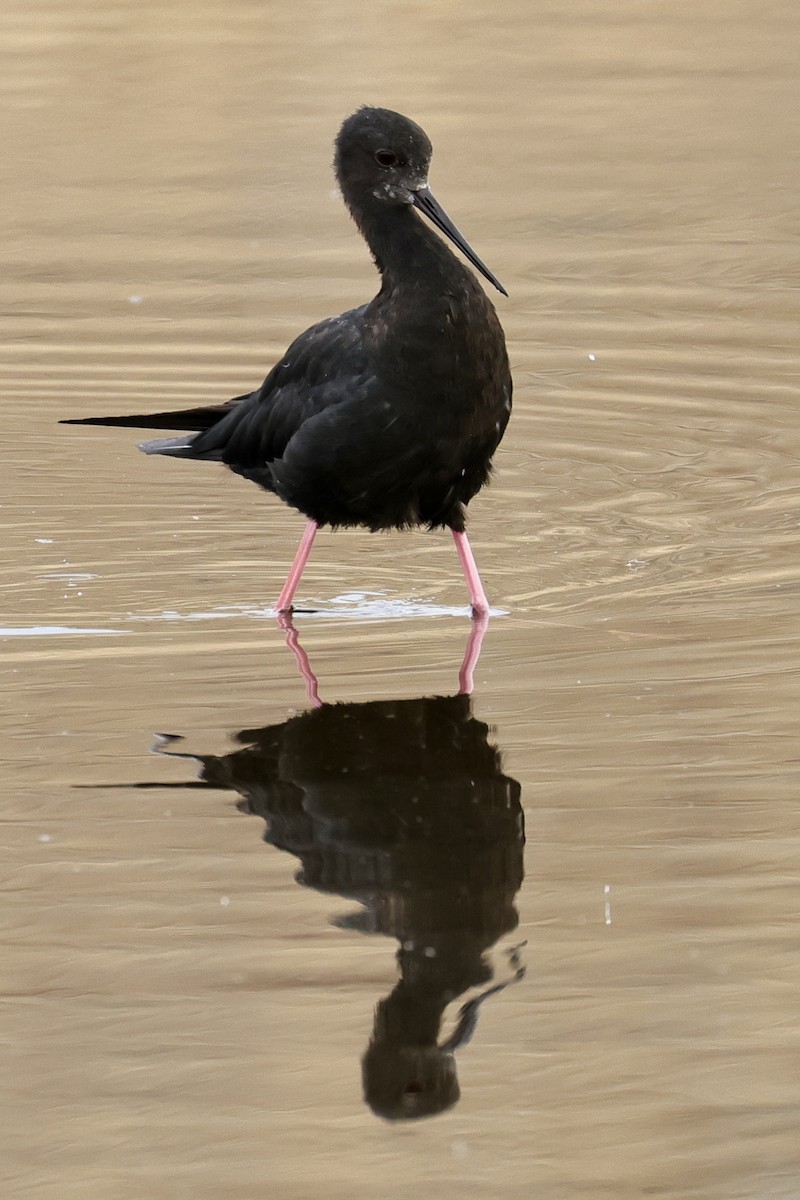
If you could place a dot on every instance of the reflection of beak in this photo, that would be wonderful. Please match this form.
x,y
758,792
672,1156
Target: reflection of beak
x,y
424,199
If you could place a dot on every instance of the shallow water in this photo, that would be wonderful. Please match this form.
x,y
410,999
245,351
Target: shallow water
x,y
184,1016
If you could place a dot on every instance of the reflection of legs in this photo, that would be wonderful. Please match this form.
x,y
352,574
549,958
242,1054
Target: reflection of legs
x,y
480,605
301,658
472,654
298,566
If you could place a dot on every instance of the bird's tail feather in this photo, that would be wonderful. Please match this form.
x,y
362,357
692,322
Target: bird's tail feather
x,y
177,447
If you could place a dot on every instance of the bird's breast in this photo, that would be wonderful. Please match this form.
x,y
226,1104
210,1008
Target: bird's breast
x,y
443,348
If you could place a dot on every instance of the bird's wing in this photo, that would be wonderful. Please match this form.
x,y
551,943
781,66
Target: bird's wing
x,y
201,417
322,368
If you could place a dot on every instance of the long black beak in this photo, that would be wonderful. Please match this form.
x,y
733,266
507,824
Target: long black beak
x,y
427,203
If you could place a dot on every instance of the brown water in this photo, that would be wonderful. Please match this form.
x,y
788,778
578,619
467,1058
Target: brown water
x,y
180,1017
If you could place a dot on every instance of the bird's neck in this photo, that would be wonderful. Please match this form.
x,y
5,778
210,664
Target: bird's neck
x,y
410,256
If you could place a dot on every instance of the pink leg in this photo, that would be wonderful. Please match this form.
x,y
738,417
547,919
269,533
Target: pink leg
x,y
301,658
472,654
298,566
480,605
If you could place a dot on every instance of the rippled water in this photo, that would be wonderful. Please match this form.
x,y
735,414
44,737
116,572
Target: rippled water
x,y
190,1012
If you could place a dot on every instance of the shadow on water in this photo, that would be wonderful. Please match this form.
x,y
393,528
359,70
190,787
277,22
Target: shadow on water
x,y
401,805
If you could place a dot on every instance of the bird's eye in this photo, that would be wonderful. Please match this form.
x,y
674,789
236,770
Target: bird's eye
x,y
386,158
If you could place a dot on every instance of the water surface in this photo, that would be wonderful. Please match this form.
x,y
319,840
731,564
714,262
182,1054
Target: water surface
x,y
182,1016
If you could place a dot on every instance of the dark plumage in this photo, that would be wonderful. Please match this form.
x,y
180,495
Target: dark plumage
x,y
388,415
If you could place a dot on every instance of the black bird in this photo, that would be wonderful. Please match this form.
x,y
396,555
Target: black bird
x,y
388,415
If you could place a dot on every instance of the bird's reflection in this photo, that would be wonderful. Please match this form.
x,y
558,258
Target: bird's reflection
x,y
472,653
403,806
